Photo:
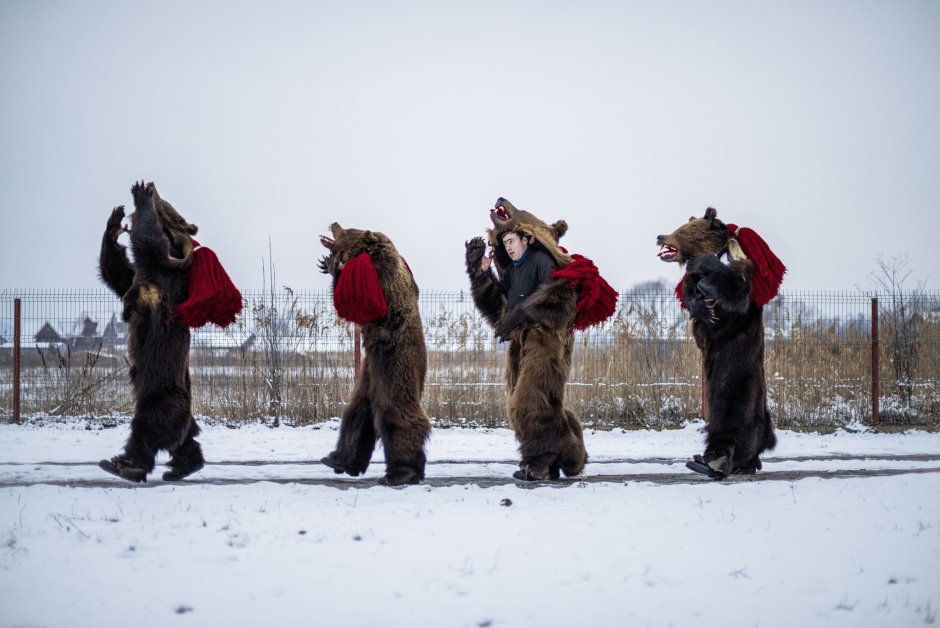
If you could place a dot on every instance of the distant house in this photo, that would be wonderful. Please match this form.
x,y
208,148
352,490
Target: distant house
x,y
208,341
115,332
48,335
88,339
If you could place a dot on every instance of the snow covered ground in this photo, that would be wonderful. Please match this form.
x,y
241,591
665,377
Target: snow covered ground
x,y
839,530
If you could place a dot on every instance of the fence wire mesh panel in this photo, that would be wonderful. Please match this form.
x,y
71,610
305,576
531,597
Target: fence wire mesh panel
x,y
288,358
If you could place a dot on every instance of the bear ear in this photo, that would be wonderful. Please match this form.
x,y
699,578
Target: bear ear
x,y
560,227
369,237
711,213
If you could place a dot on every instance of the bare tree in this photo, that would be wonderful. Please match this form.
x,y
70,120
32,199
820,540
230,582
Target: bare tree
x,y
281,326
901,309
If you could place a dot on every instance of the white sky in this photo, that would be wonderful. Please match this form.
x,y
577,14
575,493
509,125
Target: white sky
x,y
815,123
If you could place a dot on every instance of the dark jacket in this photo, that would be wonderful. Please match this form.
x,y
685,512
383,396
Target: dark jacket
x,y
519,282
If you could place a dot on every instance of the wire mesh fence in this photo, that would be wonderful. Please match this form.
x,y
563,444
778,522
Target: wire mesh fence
x,y
289,359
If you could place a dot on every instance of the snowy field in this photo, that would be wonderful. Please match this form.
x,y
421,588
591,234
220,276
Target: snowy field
x,y
839,530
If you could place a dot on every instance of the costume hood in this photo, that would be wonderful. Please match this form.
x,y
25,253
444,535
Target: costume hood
x,y
507,218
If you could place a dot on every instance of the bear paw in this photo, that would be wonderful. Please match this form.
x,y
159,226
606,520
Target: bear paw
x,y
123,468
402,476
175,474
115,228
338,465
142,193
475,249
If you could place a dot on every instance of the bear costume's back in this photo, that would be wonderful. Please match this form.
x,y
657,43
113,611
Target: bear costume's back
x,y
374,288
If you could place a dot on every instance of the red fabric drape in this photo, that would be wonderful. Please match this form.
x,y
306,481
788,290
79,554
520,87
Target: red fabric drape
x,y
212,297
768,269
596,299
358,295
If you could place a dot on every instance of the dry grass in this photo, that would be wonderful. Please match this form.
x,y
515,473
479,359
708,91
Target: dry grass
x,y
288,359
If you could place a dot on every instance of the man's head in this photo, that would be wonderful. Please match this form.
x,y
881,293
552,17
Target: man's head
x,y
530,231
515,244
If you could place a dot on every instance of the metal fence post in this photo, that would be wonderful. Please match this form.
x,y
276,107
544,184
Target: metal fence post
x,y
16,360
874,361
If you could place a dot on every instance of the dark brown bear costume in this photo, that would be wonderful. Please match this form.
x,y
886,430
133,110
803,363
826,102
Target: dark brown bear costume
x,y
725,302
373,287
152,288
539,330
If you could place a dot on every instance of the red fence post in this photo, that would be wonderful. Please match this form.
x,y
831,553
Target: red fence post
x,y
874,361
704,393
357,354
16,360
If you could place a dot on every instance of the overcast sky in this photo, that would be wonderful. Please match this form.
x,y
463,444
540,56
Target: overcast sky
x,y
815,123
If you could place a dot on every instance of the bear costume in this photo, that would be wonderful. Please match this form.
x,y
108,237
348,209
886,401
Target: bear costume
x,y
373,287
539,328
725,303
159,306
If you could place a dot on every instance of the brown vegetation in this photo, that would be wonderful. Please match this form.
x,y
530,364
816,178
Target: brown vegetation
x,y
289,359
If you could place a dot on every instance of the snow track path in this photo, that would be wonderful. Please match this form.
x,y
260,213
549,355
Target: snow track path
x,y
482,473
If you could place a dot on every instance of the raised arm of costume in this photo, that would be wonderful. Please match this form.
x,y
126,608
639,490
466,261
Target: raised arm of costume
x,y
114,268
150,244
488,295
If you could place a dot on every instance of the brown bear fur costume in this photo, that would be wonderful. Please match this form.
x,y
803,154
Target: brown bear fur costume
x,y
539,330
373,286
152,288
726,306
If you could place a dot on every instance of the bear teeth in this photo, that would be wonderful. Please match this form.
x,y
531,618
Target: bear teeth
x,y
667,252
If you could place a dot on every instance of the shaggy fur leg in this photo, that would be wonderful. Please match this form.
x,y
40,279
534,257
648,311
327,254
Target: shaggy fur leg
x,y
187,458
550,446
139,451
750,467
573,463
550,437
356,438
403,436
539,467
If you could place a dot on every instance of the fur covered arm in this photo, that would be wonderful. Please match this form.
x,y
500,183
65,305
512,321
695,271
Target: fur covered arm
x,y
552,305
488,295
150,244
711,287
113,266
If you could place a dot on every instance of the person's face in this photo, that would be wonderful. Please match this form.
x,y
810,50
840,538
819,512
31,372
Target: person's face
x,y
515,246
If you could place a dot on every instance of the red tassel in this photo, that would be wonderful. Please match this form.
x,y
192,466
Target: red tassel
x,y
679,292
768,269
212,298
358,295
596,299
